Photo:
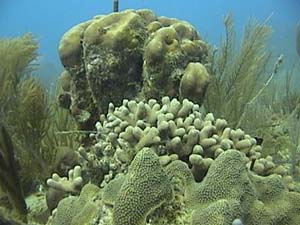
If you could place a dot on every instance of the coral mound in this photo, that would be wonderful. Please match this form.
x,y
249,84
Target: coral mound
x,y
129,54
165,163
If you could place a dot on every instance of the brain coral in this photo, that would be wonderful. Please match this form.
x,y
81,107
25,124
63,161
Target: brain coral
x,y
78,210
231,192
147,186
132,53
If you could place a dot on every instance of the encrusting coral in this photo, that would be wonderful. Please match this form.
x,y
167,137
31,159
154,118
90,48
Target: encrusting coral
x,y
78,210
129,54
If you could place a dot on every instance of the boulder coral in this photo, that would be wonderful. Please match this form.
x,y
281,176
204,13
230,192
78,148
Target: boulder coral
x,y
194,82
129,54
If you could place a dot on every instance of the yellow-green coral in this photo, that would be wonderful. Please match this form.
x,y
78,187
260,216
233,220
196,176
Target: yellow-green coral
x,y
147,186
128,54
78,210
229,191
70,48
194,82
115,31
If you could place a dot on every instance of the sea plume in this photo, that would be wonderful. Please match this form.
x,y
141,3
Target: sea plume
x,y
298,38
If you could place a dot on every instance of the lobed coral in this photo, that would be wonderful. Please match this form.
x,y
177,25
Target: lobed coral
x,y
77,209
132,205
131,54
229,194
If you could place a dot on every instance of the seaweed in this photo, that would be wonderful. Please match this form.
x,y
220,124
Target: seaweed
x,y
237,73
298,39
17,55
9,178
30,123
29,112
60,123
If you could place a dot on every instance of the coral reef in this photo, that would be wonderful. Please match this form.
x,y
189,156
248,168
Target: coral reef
x,y
167,164
129,54
229,194
176,130
135,83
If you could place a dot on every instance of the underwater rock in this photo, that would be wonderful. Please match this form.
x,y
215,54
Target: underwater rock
x,y
129,54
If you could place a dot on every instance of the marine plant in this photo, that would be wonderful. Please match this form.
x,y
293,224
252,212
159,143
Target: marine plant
x,y
16,54
32,123
286,107
22,98
30,114
62,128
298,38
237,73
9,178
